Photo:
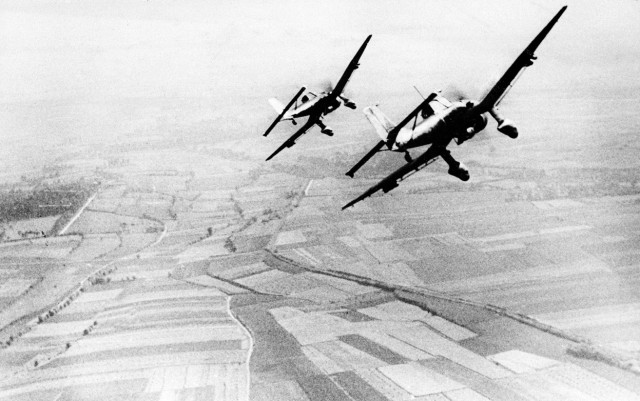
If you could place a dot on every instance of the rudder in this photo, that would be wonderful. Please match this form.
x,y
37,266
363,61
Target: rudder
x,y
277,106
380,121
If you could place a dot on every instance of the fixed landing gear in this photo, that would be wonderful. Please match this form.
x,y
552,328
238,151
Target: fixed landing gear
x,y
324,129
348,103
408,157
456,168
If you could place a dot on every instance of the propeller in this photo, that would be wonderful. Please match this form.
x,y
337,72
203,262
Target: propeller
x,y
326,85
455,94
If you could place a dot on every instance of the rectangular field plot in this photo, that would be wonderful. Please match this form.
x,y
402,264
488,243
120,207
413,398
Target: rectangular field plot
x,y
521,362
40,224
372,231
400,347
223,286
156,295
373,348
348,357
293,284
434,344
386,252
419,380
323,294
203,251
449,329
290,237
38,249
95,245
593,317
155,337
341,284
91,222
397,273
262,278
94,296
14,287
59,329
243,271
549,272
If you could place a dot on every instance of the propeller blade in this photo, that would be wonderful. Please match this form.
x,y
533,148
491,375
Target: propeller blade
x,y
326,86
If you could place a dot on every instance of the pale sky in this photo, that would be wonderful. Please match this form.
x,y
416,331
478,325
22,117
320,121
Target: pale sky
x,y
232,55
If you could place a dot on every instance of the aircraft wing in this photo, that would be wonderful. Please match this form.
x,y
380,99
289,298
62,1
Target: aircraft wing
x,y
526,58
292,140
283,111
392,180
353,65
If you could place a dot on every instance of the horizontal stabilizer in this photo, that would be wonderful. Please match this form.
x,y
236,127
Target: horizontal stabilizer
x,y
277,106
282,110
380,121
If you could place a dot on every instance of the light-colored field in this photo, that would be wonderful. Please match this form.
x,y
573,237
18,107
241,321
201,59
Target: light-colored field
x,y
59,329
243,271
95,245
13,287
99,222
203,250
419,381
54,247
290,237
13,230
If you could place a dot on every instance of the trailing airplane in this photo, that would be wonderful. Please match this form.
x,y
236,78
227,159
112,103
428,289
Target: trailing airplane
x,y
315,106
443,121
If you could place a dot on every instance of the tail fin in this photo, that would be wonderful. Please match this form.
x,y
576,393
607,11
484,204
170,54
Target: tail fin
x,y
277,106
380,122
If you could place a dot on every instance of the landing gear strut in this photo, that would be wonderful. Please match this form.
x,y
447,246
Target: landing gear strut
x,y
324,129
456,168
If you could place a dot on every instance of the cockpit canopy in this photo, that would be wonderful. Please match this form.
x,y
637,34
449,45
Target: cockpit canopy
x,y
308,96
436,106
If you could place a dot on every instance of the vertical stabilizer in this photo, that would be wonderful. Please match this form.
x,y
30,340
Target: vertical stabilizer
x,y
380,122
277,106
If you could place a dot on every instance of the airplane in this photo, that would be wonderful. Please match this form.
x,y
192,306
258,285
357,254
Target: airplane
x,y
315,106
443,121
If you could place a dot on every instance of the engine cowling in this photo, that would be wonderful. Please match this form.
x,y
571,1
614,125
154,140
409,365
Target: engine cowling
x,y
508,128
478,125
333,105
460,172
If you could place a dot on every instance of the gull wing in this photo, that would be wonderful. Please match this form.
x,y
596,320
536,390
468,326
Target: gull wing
x,y
292,140
525,59
283,111
393,179
353,65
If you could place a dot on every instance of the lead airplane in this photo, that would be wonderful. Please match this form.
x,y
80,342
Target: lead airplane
x,y
315,106
442,122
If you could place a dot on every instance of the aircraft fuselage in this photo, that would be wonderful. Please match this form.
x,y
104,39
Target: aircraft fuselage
x,y
317,105
440,127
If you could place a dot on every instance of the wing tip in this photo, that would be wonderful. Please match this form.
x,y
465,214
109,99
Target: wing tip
x,y
348,205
